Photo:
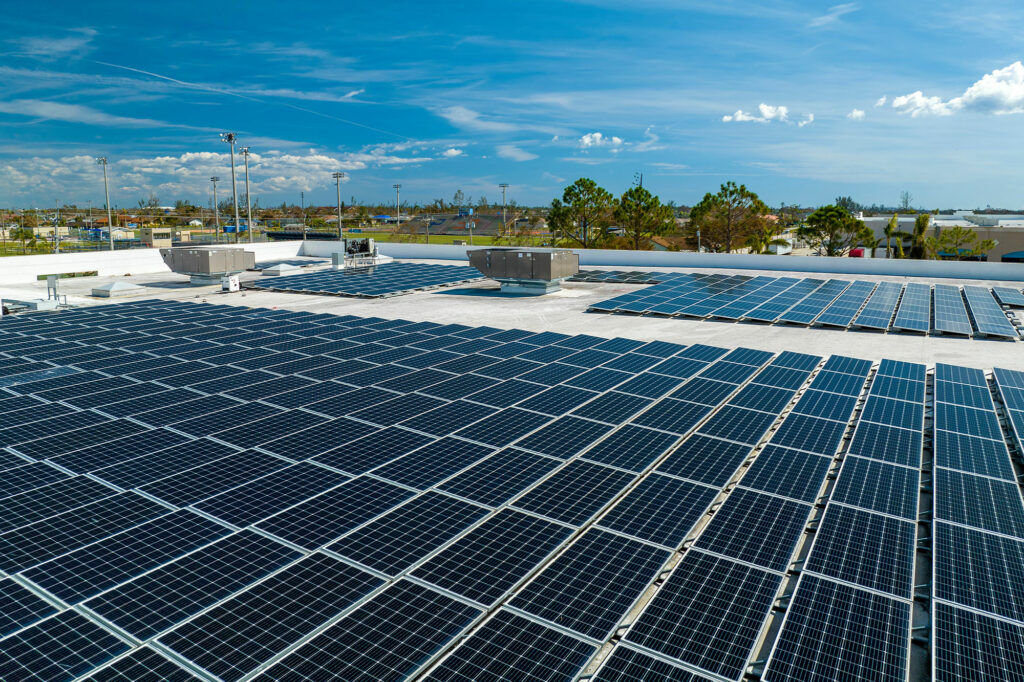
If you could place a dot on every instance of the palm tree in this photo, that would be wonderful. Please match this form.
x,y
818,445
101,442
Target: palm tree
x,y
892,231
763,239
918,245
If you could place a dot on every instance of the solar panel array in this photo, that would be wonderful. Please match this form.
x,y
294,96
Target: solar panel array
x,y
972,311
195,491
376,281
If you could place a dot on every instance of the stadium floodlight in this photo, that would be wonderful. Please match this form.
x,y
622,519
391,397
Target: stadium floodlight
x,y
504,188
231,138
398,205
216,206
248,201
106,194
338,177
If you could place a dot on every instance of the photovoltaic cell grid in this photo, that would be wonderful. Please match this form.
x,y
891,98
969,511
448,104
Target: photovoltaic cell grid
x,y
387,279
970,311
440,539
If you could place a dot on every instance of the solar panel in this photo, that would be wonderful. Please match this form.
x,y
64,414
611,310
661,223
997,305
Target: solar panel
x,y
172,593
832,627
486,563
510,647
591,586
914,313
66,645
876,486
865,549
756,528
972,646
239,635
660,509
386,279
390,637
37,542
558,497
878,311
706,460
411,532
988,316
689,602
980,570
790,473
85,572
142,665
19,607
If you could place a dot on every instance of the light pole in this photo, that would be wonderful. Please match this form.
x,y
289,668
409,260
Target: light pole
x,y
106,193
230,138
248,202
216,206
337,181
398,207
504,224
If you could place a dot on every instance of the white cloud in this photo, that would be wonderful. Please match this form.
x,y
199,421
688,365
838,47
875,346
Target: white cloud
x,y
452,152
880,102
767,113
184,175
48,48
649,143
510,151
467,118
856,115
76,113
999,92
916,104
592,140
833,15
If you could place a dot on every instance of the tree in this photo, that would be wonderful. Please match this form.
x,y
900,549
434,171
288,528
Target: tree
x,y
583,214
642,216
892,231
958,243
906,198
726,219
765,238
832,230
848,203
917,239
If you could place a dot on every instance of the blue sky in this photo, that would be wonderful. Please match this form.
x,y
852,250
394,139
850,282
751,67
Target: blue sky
x,y
801,101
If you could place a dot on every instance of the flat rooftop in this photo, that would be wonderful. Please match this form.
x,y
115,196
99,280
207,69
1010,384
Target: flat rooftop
x,y
565,311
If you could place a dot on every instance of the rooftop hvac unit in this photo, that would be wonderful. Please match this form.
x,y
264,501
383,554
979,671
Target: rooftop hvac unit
x,y
526,271
207,264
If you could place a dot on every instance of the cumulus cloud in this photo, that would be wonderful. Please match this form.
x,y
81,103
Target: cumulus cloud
x,y
452,152
856,115
766,113
833,15
880,102
510,151
592,140
186,175
999,92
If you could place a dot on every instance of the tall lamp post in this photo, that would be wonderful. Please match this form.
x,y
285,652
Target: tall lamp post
x,y
248,202
216,206
338,176
106,193
230,138
398,206
504,223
